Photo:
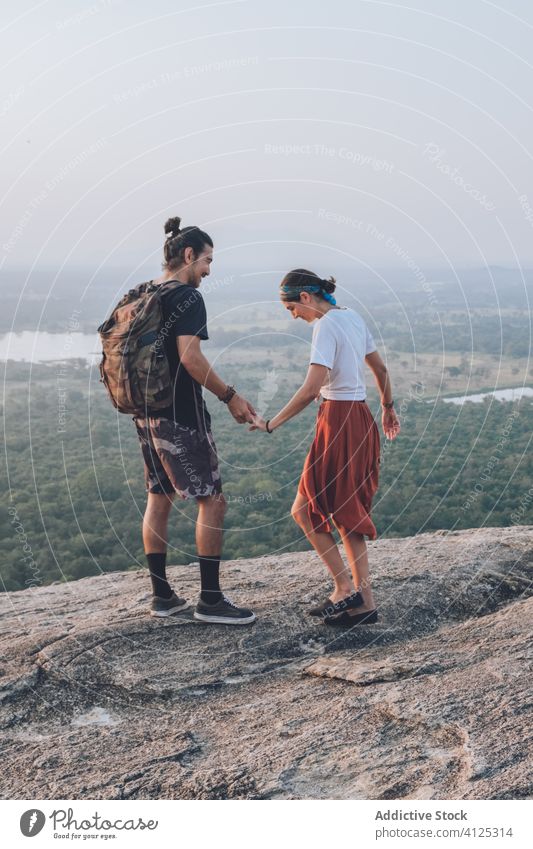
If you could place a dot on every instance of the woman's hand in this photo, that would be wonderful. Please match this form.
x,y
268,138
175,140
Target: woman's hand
x,y
390,424
258,423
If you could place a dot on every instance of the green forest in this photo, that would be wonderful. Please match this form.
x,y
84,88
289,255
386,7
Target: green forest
x,y
73,490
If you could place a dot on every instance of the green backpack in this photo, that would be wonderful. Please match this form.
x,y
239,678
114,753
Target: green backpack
x,y
134,367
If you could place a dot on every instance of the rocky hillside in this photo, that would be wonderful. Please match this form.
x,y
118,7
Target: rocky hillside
x,y
98,700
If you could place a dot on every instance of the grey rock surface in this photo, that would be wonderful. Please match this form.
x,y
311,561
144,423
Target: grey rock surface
x,y
98,700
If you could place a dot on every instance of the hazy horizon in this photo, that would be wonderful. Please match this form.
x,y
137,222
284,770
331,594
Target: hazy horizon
x,y
365,132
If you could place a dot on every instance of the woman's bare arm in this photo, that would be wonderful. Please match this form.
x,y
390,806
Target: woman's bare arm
x,y
310,388
389,419
381,376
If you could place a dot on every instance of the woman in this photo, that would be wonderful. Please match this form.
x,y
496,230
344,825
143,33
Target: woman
x,y
340,474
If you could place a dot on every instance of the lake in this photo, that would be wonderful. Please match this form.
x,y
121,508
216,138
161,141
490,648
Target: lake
x,y
41,347
497,394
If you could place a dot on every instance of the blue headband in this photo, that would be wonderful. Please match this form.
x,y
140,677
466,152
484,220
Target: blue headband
x,y
295,290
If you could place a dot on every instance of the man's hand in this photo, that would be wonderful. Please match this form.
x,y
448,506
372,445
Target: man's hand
x,y
390,424
241,410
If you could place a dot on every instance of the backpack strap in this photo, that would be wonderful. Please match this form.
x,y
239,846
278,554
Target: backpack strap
x,y
171,284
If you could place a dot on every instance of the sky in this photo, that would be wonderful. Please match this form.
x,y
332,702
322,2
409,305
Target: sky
x,y
354,134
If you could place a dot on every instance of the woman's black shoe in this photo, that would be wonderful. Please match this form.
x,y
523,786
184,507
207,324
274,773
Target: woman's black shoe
x,y
330,608
370,617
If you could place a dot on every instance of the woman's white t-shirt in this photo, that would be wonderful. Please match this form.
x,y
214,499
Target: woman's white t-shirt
x,y
341,341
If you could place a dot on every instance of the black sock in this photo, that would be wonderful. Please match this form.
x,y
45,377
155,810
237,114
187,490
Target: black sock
x,y
209,577
157,564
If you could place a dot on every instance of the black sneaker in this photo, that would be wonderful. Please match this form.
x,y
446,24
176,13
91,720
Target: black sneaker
x,y
344,620
167,606
330,608
224,612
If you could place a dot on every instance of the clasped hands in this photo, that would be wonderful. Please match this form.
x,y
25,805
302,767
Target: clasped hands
x,y
257,422
242,411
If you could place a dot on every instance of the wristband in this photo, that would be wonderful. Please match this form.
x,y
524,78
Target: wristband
x,y
228,395
267,426
388,406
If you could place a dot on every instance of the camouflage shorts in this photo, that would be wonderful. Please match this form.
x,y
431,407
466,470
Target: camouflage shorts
x,y
178,458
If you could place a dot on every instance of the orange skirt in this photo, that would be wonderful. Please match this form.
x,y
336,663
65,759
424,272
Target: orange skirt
x,y
341,471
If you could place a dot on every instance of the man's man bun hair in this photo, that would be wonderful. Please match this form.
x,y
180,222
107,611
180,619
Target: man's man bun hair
x,y
178,240
172,227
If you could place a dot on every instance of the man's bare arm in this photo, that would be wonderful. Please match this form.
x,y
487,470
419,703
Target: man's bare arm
x,y
199,368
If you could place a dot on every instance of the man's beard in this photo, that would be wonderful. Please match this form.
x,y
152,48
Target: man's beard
x,y
193,279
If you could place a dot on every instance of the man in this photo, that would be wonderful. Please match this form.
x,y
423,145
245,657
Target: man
x,y
177,445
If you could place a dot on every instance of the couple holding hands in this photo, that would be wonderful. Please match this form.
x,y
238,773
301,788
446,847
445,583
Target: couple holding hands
x,y
340,474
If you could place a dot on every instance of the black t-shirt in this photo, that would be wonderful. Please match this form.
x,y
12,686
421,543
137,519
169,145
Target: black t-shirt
x,y
184,314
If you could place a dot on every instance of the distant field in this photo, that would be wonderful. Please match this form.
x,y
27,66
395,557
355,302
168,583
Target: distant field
x,y
74,470
449,373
